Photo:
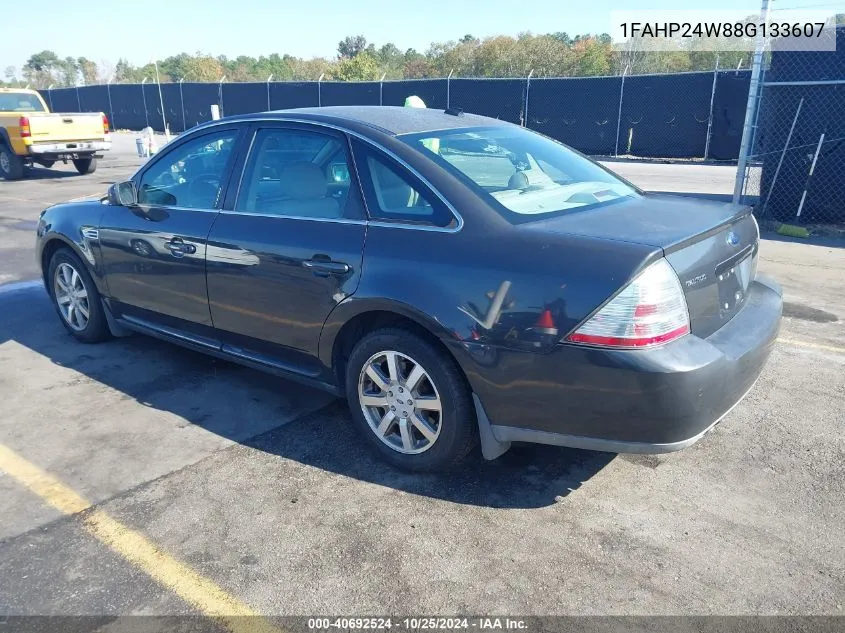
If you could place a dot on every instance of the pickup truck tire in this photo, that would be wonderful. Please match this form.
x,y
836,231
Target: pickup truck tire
x,y
11,165
85,165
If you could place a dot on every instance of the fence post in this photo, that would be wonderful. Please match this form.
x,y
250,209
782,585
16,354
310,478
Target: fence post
x,y
320,90
619,115
527,88
111,108
381,89
448,88
182,105
78,101
269,79
144,98
782,156
753,89
161,101
710,118
50,96
220,95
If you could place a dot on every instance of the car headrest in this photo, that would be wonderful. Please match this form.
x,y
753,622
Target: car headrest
x,y
518,181
303,181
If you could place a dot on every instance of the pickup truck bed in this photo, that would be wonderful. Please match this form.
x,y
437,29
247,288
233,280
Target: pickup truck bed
x,y
30,134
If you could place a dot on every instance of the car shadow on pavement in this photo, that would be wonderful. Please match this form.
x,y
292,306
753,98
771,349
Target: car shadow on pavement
x,y
243,405
527,476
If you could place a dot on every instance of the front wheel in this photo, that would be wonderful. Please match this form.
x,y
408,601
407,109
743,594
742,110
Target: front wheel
x,y
76,299
410,401
85,165
11,165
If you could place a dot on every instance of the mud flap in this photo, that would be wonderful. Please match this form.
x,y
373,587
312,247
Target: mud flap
x,y
491,448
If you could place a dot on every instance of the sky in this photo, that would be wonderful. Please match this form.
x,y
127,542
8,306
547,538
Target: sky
x,y
141,31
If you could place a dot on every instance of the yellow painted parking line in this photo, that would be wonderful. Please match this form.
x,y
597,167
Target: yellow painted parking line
x,y
200,592
826,348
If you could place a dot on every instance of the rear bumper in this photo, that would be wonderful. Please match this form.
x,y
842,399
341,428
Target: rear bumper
x,y
635,401
68,148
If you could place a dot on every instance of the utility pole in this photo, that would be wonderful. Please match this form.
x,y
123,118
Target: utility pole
x,y
751,106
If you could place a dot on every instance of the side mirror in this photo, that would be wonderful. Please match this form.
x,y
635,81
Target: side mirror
x,y
123,194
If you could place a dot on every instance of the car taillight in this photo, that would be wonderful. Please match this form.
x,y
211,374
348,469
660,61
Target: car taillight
x,y
23,124
650,310
105,124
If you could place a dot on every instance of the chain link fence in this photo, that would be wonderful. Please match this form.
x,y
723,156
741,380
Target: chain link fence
x,y
696,115
795,170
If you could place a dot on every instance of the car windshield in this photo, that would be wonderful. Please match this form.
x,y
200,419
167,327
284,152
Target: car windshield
x,y
19,102
526,176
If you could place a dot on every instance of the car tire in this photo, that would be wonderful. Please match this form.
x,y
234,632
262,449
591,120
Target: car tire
x,y
445,437
11,165
85,165
73,293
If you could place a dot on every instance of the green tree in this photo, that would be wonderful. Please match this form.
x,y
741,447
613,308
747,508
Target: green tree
x,y
419,68
351,46
42,69
362,67
88,70
593,58
203,68
562,37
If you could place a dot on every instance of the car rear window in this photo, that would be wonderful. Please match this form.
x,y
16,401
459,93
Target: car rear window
x,y
524,175
19,102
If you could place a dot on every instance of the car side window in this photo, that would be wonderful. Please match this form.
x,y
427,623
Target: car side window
x,y
298,173
190,175
394,194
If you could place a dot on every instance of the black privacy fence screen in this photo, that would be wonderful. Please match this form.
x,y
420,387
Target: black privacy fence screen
x,y
684,115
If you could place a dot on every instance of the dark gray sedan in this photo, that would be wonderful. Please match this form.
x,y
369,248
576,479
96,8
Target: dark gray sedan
x,y
454,277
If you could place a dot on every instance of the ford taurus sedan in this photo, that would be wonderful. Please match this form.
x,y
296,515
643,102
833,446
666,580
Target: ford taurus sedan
x,y
455,278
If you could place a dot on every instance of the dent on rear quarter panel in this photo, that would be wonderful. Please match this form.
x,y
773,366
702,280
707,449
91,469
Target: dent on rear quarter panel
x,y
514,289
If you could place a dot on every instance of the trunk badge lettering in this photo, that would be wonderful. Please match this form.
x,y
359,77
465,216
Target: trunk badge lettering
x,y
695,281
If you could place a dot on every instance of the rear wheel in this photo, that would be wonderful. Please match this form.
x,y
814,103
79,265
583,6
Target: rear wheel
x,y
85,165
76,298
410,401
11,165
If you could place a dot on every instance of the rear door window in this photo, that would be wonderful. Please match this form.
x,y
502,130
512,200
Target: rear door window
x,y
299,173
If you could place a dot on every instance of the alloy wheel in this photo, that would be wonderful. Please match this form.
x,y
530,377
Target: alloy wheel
x,y
71,296
400,402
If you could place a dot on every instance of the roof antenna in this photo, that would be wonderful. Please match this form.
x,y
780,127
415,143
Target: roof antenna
x,y
454,111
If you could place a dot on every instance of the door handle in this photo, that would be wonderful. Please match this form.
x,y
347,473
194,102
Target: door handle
x,y
178,248
323,268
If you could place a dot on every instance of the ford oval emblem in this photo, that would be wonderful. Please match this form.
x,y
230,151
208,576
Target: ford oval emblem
x,y
732,238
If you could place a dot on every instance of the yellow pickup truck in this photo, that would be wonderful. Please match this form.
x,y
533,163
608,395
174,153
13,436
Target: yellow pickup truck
x,y
30,134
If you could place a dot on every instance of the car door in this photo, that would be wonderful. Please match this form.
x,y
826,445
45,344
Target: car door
x,y
154,254
288,247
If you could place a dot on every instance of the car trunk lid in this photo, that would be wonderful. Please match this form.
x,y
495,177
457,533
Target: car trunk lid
x,y
712,246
